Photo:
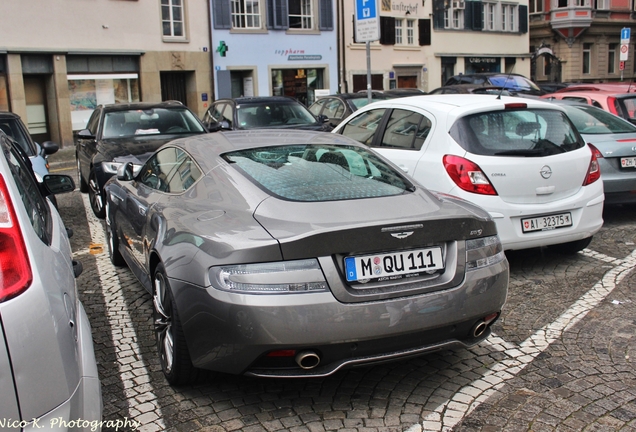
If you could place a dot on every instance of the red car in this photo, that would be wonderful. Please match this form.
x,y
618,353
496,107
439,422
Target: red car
x,y
618,102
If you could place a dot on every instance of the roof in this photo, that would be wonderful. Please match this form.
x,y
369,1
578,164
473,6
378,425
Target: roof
x,y
262,100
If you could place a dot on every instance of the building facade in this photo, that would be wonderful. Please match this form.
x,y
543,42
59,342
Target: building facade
x,y
61,58
424,42
580,40
274,48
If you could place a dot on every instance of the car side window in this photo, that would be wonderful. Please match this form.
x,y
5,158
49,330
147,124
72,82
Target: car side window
x,y
406,130
334,109
35,204
315,108
93,122
215,113
170,170
363,127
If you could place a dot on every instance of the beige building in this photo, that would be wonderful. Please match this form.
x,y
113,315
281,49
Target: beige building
x,y
61,58
424,42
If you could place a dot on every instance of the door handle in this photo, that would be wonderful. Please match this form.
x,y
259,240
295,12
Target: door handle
x,y
404,168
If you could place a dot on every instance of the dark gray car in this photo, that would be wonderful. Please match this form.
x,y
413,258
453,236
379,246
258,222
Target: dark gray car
x,y
298,253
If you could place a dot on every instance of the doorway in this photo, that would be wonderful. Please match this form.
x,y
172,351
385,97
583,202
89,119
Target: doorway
x,y
173,86
407,81
36,112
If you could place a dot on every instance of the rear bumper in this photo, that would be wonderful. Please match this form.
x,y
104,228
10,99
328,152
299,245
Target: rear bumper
x,y
586,209
231,333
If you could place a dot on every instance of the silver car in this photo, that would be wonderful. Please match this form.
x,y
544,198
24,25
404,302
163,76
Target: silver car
x,y
48,373
298,253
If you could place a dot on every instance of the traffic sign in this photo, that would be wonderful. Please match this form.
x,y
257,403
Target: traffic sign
x,y
625,35
621,65
624,52
367,21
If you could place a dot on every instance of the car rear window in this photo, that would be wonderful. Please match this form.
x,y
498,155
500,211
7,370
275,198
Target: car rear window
x,y
590,120
319,172
517,132
152,121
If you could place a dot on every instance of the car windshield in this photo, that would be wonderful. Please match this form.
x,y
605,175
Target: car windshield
x,y
319,172
273,115
590,120
516,132
154,121
13,130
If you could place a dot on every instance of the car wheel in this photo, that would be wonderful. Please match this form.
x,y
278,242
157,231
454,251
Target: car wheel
x,y
113,241
171,345
571,248
83,186
95,196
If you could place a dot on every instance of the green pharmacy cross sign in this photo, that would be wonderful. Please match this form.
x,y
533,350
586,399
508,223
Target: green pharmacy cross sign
x,y
222,48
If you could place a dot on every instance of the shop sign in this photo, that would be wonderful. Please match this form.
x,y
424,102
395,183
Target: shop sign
x,y
304,57
482,60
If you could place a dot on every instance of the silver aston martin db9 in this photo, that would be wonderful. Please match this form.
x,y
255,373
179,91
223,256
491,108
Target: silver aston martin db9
x,y
298,253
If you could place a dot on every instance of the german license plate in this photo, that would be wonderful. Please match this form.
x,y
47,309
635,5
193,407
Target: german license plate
x,y
546,223
396,265
628,162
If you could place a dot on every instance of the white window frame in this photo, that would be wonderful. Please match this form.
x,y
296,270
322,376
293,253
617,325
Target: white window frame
x,y
508,17
410,32
536,6
602,4
246,14
453,18
172,6
307,14
489,14
612,48
399,24
586,59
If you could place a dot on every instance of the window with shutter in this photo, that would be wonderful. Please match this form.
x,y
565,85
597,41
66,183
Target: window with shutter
x,y
424,27
387,30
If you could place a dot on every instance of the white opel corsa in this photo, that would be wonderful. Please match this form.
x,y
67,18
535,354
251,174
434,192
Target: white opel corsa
x,y
520,159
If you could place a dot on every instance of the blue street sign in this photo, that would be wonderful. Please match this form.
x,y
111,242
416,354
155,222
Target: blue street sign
x,y
365,9
626,33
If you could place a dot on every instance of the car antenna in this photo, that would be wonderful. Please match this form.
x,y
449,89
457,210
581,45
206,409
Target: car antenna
x,y
504,85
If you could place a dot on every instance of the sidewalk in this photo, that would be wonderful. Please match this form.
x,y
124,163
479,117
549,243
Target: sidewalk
x,y
64,157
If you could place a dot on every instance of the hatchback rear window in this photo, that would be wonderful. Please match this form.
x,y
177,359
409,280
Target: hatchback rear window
x,y
319,172
519,132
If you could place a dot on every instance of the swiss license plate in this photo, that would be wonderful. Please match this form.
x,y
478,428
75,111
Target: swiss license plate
x,y
628,162
545,223
396,265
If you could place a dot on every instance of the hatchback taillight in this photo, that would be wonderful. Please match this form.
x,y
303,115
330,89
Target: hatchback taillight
x,y
15,270
594,171
468,176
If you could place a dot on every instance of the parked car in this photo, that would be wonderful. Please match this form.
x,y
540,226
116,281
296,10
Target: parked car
x,y
276,253
472,88
120,133
620,104
267,112
613,139
403,92
12,125
520,159
339,106
615,87
48,372
515,82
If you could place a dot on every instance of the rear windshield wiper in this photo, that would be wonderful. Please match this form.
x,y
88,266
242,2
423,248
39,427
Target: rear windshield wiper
x,y
522,152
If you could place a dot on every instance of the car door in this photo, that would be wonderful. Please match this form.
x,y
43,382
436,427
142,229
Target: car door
x,y
87,143
154,182
398,134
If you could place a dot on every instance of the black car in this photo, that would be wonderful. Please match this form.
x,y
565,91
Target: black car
x,y
120,133
12,125
267,112
338,107
515,82
473,88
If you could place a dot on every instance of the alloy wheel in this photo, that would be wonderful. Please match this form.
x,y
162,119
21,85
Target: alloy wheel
x,y
163,322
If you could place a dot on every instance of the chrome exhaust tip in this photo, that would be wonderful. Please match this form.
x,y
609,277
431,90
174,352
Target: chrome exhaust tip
x,y
479,329
307,359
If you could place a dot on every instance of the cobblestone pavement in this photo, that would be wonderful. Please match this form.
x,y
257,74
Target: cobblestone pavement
x,y
561,358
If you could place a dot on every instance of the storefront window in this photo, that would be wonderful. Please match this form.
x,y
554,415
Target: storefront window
x,y
88,91
297,83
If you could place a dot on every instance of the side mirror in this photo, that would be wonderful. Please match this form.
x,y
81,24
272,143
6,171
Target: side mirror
x,y
58,183
86,134
125,172
50,147
323,118
225,125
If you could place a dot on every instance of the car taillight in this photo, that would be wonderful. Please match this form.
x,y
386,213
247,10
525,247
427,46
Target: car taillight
x,y
15,270
612,104
594,171
468,176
